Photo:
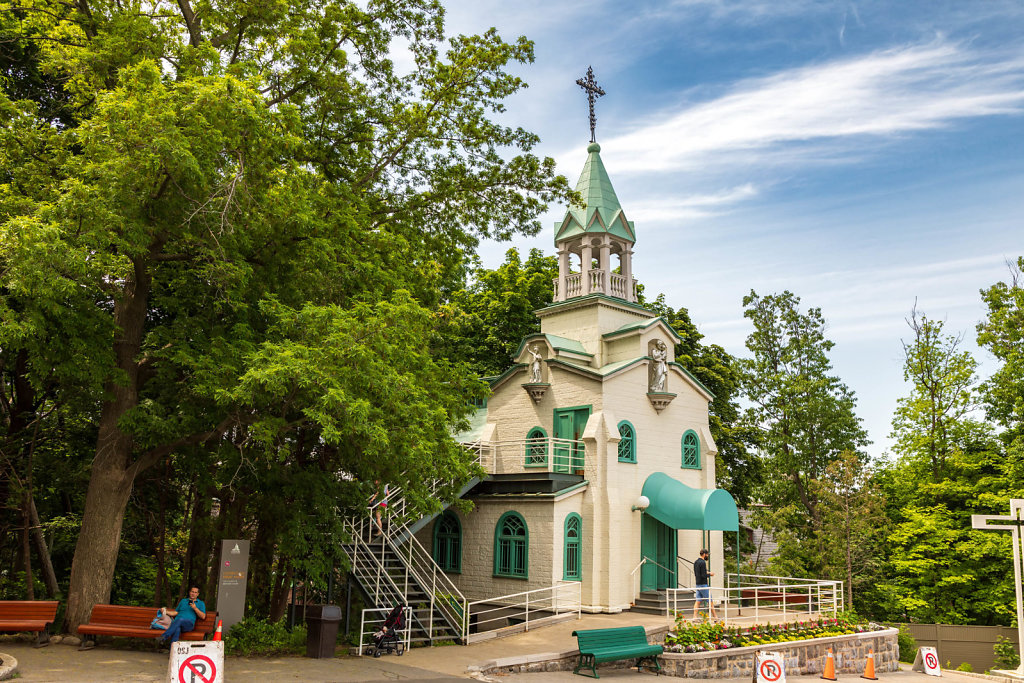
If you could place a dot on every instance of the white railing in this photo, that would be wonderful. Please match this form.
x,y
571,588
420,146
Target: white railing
x,y
600,282
755,597
597,281
546,454
619,287
372,622
537,605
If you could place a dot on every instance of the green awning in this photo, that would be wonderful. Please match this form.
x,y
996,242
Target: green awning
x,y
675,504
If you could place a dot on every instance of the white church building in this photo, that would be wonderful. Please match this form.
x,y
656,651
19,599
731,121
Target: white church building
x,y
600,461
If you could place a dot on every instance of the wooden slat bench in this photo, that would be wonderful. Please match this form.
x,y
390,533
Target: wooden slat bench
x,y
612,644
123,621
28,615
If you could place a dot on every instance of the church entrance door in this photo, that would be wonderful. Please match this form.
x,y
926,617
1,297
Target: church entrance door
x,y
569,424
658,545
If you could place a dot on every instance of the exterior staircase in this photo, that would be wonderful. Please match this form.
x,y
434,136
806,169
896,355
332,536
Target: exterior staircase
x,y
393,567
656,602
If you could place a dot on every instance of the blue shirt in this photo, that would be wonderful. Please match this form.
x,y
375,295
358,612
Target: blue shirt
x,y
185,611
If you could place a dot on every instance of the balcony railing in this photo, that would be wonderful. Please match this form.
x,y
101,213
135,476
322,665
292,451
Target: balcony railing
x,y
600,282
563,456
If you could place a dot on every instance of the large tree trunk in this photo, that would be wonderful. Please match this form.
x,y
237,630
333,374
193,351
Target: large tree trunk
x,y
113,473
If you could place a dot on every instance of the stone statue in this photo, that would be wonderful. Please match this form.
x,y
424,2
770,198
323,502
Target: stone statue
x,y
535,365
659,377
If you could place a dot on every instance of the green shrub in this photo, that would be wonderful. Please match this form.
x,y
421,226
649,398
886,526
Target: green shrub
x,y
965,666
1006,654
907,645
259,637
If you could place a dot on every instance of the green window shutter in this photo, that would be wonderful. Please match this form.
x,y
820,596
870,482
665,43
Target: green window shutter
x,y
536,448
572,567
627,442
691,450
511,545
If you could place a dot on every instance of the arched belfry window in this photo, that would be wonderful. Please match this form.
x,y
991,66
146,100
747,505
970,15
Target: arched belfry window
x,y
511,545
691,450
572,567
448,542
627,442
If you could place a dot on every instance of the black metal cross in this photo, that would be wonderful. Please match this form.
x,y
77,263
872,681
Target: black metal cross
x,y
593,92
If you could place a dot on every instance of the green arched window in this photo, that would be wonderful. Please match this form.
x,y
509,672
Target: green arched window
x,y
691,450
572,567
511,542
448,542
627,442
537,448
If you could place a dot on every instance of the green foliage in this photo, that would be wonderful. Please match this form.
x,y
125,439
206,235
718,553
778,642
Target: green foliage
x,y
907,644
1006,655
965,666
261,638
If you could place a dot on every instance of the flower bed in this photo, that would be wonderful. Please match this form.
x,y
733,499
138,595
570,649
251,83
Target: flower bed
x,y
706,637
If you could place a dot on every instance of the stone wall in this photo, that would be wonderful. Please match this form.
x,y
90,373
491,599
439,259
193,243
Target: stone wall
x,y
802,658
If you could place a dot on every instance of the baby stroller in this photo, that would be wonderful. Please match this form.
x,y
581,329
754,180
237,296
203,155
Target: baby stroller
x,y
389,637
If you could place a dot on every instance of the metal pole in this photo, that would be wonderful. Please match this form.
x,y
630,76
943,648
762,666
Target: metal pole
x,y
348,605
1015,511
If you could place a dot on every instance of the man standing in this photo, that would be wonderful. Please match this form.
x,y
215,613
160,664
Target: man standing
x,y
188,611
703,577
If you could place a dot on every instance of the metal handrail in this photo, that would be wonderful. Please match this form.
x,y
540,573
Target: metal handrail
x,y
406,632
504,602
821,596
552,454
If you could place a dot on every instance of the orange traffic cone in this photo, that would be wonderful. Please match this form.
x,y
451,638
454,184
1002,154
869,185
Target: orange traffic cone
x,y
830,667
869,667
217,633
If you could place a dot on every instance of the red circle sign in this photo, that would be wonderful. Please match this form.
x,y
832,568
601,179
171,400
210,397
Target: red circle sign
x,y
770,670
197,669
931,661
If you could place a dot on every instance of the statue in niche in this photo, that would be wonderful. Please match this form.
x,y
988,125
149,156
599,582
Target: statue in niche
x,y
659,374
534,365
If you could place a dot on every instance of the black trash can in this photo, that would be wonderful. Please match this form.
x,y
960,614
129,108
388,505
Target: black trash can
x,y
322,630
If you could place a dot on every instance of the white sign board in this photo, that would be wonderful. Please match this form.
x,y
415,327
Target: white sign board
x,y
771,668
196,662
927,660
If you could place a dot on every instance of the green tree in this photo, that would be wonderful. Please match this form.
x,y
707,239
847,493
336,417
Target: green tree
x,y
804,419
240,239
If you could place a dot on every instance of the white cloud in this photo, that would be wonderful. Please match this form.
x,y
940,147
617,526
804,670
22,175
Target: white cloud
x,y
819,112
659,208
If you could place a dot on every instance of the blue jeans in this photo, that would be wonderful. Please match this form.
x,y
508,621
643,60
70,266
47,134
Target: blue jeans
x,y
177,627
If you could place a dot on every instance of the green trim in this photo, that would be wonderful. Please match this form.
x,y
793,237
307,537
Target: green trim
x,y
602,372
518,548
532,457
555,342
693,457
596,296
496,380
567,458
640,325
453,565
691,376
630,456
573,547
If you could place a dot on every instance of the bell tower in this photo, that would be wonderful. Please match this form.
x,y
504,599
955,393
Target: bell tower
x,y
595,241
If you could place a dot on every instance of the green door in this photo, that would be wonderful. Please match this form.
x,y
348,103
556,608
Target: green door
x,y
569,424
658,545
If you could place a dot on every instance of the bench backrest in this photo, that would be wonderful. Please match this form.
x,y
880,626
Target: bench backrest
x,y
602,638
140,617
33,610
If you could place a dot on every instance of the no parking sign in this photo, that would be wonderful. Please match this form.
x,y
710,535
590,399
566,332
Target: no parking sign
x,y
927,660
769,667
196,662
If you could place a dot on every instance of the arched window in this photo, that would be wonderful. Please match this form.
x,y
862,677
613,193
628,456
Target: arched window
x,y
448,542
572,568
691,450
537,448
627,442
510,546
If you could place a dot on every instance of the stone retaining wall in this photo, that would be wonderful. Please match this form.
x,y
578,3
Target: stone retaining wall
x,y
802,657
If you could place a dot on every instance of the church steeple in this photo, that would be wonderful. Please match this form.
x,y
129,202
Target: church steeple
x,y
598,230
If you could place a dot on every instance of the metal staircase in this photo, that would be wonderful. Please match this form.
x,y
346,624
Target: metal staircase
x,y
393,567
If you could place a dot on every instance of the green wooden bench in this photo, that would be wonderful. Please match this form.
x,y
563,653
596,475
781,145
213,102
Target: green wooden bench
x,y
612,644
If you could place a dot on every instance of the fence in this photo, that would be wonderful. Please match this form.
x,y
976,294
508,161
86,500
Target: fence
x,y
518,609
752,598
958,644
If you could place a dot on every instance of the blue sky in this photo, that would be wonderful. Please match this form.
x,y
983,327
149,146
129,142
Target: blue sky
x,y
863,155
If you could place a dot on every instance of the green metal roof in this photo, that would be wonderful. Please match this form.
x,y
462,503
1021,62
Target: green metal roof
x,y
675,504
642,324
602,212
556,342
477,422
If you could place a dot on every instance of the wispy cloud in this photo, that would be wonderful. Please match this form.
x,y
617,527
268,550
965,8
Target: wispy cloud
x,y
818,112
659,208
